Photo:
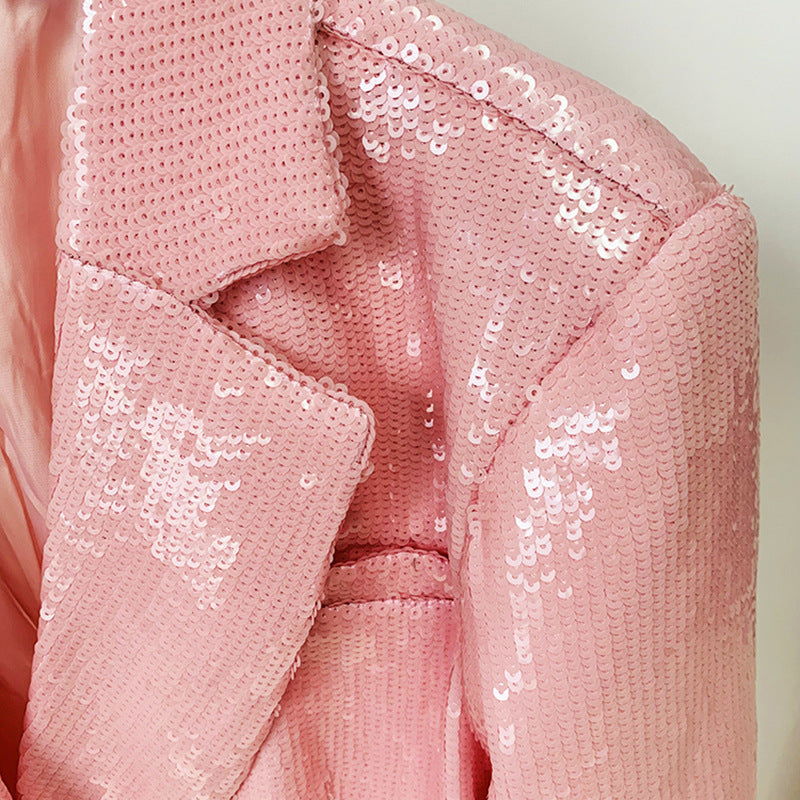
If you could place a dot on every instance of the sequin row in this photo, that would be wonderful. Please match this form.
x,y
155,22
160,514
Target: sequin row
x,y
580,115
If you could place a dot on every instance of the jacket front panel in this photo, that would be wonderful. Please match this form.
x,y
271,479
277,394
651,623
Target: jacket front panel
x,y
404,428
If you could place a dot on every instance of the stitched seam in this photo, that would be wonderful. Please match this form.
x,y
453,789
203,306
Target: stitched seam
x,y
518,417
388,552
417,599
331,29
474,499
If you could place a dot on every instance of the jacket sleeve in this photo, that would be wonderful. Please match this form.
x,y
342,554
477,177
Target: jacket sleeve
x,y
609,572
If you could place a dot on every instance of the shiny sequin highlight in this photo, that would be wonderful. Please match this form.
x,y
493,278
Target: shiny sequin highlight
x,y
405,423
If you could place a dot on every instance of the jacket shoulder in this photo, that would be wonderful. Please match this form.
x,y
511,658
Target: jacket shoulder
x,y
606,131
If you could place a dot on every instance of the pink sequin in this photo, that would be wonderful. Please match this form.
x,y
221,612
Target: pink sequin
x,y
405,424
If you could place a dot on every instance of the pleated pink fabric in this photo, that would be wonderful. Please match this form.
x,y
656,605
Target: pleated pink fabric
x,y
405,424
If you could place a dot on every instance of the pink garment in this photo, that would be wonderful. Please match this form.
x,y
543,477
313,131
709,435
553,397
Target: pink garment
x,y
405,424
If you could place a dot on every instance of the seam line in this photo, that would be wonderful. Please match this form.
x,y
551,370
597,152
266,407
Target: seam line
x,y
331,29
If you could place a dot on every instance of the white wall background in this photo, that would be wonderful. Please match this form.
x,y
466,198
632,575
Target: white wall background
x,y
724,77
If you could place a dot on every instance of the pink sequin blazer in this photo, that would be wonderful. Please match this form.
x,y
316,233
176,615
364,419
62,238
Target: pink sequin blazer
x,y
405,424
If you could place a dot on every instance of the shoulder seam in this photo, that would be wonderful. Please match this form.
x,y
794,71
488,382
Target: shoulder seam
x,y
580,340
332,29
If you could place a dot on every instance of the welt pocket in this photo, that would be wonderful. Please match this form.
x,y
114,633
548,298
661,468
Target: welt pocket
x,y
365,713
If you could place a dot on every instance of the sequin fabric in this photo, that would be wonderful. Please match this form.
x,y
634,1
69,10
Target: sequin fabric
x,y
406,425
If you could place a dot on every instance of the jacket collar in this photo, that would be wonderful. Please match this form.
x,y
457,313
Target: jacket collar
x,y
196,195
200,199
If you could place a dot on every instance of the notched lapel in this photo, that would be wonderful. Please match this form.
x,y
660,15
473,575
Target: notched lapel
x,y
198,482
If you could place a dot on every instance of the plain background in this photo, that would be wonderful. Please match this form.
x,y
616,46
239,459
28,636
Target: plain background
x,y
724,77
